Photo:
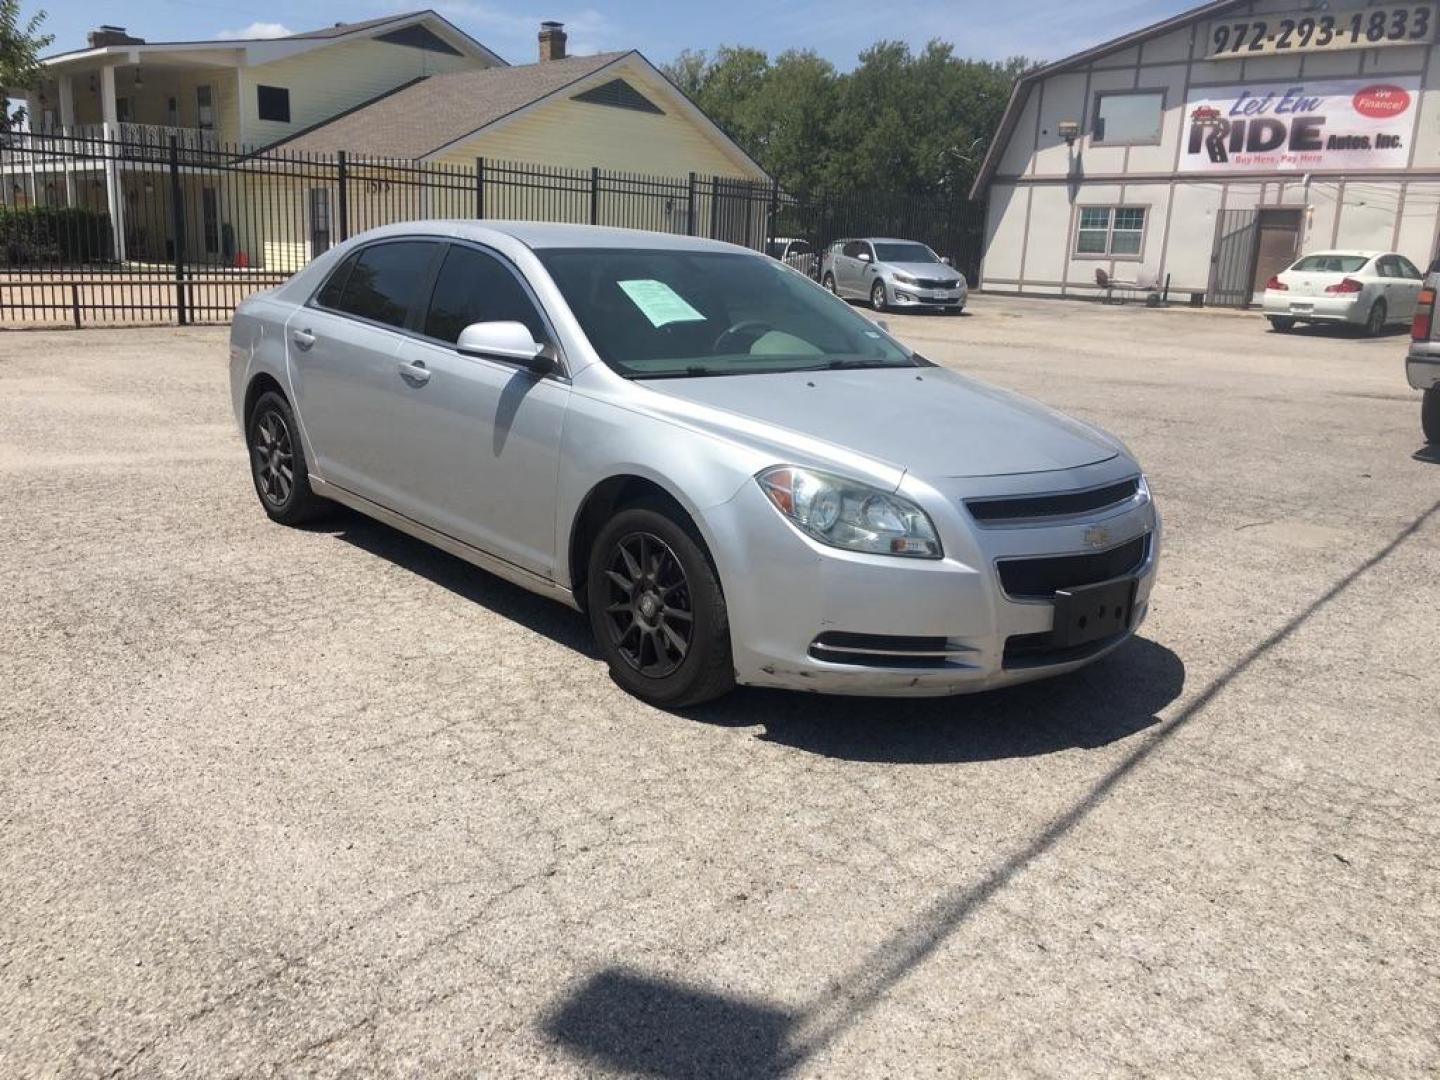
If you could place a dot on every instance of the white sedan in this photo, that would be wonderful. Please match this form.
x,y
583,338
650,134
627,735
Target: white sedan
x,y
1371,289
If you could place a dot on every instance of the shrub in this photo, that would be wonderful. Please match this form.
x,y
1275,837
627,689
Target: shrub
x,y
53,234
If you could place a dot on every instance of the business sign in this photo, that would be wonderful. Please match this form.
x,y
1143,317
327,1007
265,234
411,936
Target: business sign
x,y
1322,31
1301,126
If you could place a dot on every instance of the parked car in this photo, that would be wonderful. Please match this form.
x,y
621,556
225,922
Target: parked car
x,y
1422,363
1369,289
737,477
796,254
892,273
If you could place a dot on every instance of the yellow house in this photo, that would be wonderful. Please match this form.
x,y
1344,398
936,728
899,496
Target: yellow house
x,y
409,88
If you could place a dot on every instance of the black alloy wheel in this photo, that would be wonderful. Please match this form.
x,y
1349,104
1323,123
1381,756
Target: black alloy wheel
x,y
277,463
649,613
273,454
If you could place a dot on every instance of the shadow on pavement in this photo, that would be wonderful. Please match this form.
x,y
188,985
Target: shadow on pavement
x,y
1112,699
556,621
634,1023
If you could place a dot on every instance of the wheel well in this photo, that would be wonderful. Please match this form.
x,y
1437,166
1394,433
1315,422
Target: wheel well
x,y
260,384
600,505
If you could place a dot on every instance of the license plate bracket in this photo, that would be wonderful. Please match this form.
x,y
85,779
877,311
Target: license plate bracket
x,y
1089,613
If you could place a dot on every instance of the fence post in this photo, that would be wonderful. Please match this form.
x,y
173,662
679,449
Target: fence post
x,y
342,200
177,226
594,195
774,211
75,303
479,187
690,208
714,206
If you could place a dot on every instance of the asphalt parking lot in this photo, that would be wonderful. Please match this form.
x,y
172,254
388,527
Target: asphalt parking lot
x,y
329,802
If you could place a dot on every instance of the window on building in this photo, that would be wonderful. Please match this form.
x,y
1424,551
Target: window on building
x,y
1129,118
1110,230
204,108
274,103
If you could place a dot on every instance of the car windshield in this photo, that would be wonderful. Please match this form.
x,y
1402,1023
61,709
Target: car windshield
x,y
905,253
673,314
1330,264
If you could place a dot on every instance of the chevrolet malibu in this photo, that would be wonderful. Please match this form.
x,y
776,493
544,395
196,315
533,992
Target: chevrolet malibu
x,y
736,477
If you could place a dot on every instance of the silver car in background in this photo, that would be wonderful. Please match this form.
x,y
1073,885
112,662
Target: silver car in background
x,y
892,274
735,475
1367,289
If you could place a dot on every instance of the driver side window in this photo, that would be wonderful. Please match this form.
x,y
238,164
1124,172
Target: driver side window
x,y
853,248
475,287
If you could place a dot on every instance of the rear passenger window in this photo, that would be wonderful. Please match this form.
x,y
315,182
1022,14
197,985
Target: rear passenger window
x,y
474,287
329,296
386,281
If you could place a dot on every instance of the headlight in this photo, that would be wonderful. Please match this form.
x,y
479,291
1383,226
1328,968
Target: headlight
x,y
905,279
850,515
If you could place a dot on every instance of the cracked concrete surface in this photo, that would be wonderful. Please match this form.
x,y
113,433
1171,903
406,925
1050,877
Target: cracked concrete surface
x,y
328,802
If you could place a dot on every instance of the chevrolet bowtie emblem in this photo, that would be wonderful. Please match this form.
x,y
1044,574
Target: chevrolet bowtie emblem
x,y
1097,536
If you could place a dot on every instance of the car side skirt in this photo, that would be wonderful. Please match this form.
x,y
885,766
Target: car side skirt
x,y
516,575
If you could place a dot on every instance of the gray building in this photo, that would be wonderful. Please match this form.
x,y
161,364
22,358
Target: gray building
x,y
1214,147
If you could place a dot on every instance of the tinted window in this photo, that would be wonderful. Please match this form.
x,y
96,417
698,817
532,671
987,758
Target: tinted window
x,y
386,281
330,295
1330,264
1387,266
853,249
474,287
669,314
906,253
1407,268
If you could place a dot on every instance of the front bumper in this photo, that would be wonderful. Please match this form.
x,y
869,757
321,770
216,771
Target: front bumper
x,y
786,594
902,295
1422,365
1331,309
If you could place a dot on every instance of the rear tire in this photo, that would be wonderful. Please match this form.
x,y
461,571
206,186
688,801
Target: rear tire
x,y
277,463
657,609
1430,415
1283,325
1375,321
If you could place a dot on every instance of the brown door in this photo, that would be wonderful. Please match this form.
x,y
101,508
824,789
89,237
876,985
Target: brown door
x,y
1277,243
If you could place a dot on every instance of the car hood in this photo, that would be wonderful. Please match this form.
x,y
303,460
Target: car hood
x,y
927,421
929,271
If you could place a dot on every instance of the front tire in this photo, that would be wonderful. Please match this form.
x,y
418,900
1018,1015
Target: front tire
x,y
1281,324
877,296
1375,321
1430,415
657,610
277,463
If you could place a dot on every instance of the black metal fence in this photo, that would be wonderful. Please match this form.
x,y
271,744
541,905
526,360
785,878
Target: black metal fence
x,y
149,227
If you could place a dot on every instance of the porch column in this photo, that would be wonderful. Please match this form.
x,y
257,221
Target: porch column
x,y
67,127
114,191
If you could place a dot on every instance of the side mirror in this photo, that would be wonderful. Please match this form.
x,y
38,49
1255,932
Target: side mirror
x,y
505,341
946,260
863,256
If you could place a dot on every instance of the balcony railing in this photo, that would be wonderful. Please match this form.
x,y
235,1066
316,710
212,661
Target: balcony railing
x,y
90,140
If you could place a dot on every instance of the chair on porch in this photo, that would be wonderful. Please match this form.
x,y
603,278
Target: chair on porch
x,y
1110,287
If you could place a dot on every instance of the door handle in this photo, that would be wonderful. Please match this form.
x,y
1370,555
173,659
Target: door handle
x,y
414,371
303,339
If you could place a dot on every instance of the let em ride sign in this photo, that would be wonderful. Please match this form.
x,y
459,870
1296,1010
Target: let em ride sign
x,y
1321,31
1303,125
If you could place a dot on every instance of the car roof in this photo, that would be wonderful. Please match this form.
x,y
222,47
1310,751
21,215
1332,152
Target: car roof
x,y
1348,253
546,234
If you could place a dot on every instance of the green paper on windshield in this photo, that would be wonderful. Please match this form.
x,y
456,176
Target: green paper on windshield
x,y
659,303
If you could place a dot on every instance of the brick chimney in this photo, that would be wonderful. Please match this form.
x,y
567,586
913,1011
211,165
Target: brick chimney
x,y
552,41
110,35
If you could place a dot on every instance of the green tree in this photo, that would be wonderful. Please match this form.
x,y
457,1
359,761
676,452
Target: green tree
x,y
897,122
20,47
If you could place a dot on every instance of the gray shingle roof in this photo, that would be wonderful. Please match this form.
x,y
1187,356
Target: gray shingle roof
x,y
420,117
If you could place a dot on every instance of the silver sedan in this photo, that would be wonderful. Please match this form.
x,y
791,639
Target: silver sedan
x,y
737,477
